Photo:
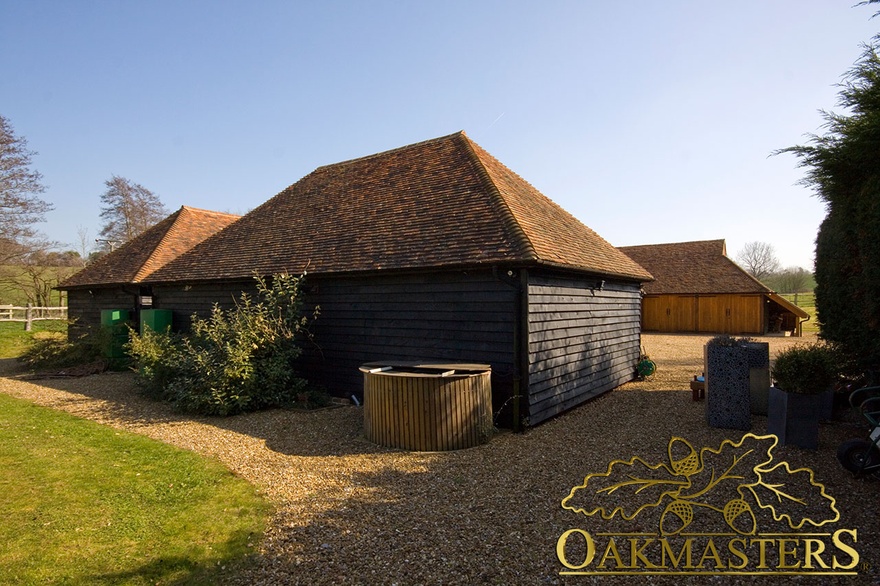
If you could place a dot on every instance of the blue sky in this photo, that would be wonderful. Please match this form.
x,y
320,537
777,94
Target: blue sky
x,y
649,121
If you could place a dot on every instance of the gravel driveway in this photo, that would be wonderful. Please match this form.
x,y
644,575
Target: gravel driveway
x,y
350,512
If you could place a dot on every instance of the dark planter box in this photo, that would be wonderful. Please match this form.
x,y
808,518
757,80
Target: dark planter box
x,y
728,399
826,412
759,376
794,418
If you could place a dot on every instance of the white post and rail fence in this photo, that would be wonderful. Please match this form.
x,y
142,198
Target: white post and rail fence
x,y
31,313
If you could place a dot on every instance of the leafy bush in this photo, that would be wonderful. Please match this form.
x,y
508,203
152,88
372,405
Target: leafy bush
x,y
809,369
156,360
234,361
52,350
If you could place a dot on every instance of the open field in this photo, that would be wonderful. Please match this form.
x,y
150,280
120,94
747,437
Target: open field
x,y
807,302
350,512
14,280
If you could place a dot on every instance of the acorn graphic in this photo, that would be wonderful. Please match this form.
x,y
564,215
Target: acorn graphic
x,y
686,465
738,514
676,516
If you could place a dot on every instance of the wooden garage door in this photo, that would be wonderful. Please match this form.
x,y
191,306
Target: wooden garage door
x,y
724,314
669,313
731,314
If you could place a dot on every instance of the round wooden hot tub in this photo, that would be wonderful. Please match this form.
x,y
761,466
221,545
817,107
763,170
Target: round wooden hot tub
x,y
427,407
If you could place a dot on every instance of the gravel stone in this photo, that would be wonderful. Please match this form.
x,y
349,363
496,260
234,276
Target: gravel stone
x,y
351,512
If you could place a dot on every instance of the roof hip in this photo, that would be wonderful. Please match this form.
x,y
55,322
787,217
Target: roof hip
x,y
508,218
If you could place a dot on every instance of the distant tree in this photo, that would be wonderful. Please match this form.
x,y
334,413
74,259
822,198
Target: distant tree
x,y
758,259
20,204
790,280
95,255
84,245
844,168
34,276
53,258
129,210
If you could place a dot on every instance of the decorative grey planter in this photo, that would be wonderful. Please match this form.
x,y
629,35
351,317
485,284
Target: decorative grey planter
x,y
728,399
759,376
794,418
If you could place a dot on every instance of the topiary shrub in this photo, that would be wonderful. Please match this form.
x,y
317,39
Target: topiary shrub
x,y
234,361
807,369
728,341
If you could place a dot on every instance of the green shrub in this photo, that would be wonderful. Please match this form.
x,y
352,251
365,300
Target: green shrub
x,y
235,360
52,350
809,369
155,357
729,341
842,167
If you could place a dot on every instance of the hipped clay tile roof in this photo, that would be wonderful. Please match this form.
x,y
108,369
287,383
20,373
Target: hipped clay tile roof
x,y
135,260
692,268
440,203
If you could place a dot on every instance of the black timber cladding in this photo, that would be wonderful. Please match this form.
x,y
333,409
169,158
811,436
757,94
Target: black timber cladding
x,y
84,306
584,339
450,316
186,300
445,316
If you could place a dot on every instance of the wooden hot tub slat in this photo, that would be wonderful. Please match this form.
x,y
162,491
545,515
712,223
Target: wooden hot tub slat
x,y
427,413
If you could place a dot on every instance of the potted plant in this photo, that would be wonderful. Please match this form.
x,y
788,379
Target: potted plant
x,y
802,374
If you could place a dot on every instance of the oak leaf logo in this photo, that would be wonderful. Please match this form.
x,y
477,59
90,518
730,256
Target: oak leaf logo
x,y
731,480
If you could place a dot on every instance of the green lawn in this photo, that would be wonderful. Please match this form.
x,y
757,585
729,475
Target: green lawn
x,y
14,340
86,504
807,302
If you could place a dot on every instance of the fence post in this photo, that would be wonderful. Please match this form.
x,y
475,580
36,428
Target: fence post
x,y
27,317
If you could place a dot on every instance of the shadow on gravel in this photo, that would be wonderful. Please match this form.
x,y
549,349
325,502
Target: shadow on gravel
x,y
334,431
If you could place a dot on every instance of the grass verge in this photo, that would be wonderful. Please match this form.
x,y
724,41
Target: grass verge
x,y
86,504
807,302
14,340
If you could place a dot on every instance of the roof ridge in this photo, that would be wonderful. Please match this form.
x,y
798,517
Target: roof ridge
x,y
389,151
204,211
509,218
674,243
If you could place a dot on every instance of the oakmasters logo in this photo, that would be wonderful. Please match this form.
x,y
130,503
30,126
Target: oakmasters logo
x,y
726,511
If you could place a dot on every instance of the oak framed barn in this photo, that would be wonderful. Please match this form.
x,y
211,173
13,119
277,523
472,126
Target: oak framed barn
x,y
698,289
434,251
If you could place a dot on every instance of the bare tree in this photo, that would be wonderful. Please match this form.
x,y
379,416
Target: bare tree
x,y
20,204
35,275
129,209
758,259
84,245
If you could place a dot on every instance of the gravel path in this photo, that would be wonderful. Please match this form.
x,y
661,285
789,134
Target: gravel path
x,y
350,512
